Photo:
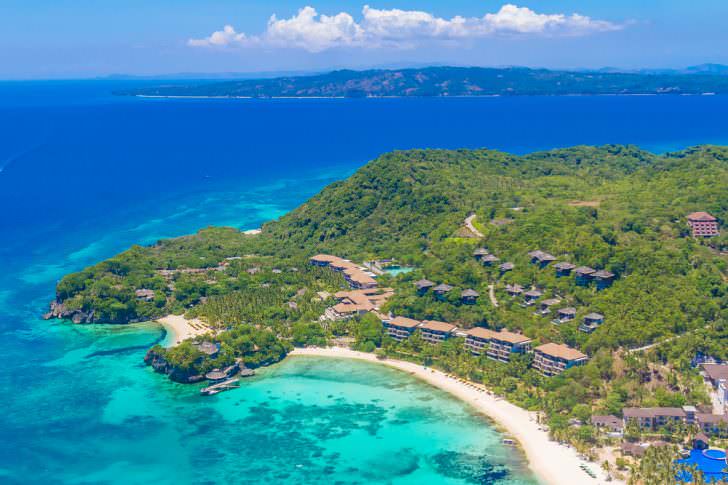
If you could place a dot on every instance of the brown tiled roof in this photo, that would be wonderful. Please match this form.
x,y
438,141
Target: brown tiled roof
x,y
438,326
652,412
444,287
514,288
701,437
536,293
608,420
562,351
710,418
701,216
481,332
716,371
404,322
469,293
564,265
551,301
567,311
490,258
594,316
585,270
603,274
480,252
424,284
511,337
325,258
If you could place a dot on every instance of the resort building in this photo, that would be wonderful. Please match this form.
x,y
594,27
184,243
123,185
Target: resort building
x,y
653,418
553,359
514,290
423,285
530,297
479,253
591,322
144,294
546,305
713,424
442,290
357,302
584,275
541,258
504,344
565,314
717,377
435,332
489,259
505,267
703,224
477,339
563,268
353,274
604,279
208,348
400,328
608,422
469,296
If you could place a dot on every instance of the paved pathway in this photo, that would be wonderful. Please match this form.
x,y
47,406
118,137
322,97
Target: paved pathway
x,y
469,224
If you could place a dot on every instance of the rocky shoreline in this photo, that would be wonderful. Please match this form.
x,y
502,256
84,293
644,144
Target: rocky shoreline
x,y
59,310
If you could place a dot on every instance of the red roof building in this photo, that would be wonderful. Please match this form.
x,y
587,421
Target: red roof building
x,y
703,224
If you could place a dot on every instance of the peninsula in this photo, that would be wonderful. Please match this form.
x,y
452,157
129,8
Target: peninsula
x,y
590,287
451,81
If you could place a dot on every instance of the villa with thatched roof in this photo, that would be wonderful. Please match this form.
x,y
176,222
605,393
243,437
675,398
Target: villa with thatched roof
x,y
469,296
591,322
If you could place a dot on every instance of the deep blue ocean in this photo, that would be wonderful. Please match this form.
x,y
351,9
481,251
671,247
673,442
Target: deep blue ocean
x,y
84,174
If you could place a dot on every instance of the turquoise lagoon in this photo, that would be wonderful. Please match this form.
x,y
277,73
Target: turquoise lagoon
x,y
83,175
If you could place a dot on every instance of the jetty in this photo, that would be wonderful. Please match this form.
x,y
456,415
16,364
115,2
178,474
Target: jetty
x,y
220,387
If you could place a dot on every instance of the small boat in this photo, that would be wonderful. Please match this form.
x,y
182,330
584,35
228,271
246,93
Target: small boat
x,y
219,387
508,441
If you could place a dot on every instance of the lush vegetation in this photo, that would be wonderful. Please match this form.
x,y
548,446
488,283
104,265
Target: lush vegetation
x,y
613,207
452,81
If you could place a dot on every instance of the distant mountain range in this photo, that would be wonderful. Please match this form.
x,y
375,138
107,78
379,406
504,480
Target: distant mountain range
x,y
458,81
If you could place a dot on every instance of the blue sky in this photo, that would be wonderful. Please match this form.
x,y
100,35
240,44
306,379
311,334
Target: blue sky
x,y
84,38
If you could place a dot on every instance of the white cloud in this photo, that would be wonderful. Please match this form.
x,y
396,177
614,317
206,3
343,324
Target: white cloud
x,y
402,28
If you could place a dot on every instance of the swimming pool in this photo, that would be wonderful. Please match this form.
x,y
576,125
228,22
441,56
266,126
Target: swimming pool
x,y
711,462
397,270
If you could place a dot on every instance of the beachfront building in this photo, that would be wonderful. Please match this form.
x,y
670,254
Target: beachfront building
x,y
608,422
584,275
564,315
496,345
400,328
591,322
541,258
504,344
357,302
546,305
563,268
652,419
210,349
435,332
423,286
703,224
469,296
477,339
553,359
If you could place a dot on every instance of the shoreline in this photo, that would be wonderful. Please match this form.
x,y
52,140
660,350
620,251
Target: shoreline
x,y
179,329
551,462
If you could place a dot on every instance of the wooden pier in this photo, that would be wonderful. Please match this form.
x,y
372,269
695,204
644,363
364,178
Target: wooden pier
x,y
220,387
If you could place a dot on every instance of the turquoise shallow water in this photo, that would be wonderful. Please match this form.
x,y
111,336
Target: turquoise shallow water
x,y
84,175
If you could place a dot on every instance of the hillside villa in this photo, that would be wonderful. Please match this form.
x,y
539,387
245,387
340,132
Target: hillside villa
x,y
703,224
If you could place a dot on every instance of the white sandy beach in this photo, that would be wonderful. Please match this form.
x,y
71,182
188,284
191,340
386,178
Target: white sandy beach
x,y
181,328
552,462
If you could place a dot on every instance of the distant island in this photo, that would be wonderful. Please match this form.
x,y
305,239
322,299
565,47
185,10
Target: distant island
x,y
456,81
